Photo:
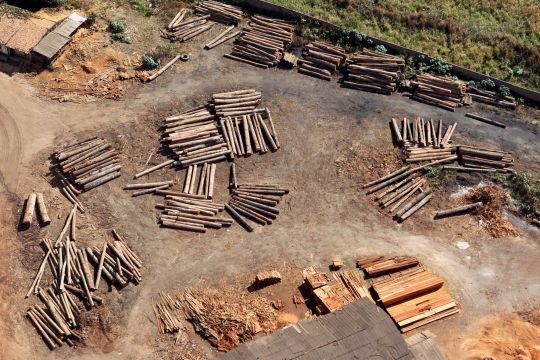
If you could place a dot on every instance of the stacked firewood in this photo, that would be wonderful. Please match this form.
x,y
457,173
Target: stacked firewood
x,y
489,159
492,98
321,60
190,212
410,293
205,186
257,202
77,272
223,13
89,163
441,91
182,31
28,216
373,71
193,136
263,42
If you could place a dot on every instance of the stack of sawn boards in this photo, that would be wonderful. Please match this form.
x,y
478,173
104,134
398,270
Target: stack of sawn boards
x,y
441,91
492,98
411,294
263,42
223,13
373,71
321,60
89,163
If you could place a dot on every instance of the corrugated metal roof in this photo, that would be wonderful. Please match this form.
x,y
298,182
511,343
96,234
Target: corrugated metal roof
x,y
360,330
424,347
54,41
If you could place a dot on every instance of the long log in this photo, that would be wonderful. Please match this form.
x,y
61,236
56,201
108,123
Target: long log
x,y
29,210
154,168
415,208
486,120
457,211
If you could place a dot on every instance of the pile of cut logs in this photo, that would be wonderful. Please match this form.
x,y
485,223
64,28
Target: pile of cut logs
x,y
148,188
205,187
220,12
235,103
256,202
190,212
440,91
89,163
263,42
321,60
77,272
30,208
492,98
411,294
484,159
373,71
182,31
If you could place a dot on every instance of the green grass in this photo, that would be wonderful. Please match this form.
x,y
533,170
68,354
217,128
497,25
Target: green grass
x,y
500,38
524,188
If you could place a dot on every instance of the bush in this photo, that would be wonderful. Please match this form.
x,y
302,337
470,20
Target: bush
x,y
116,26
142,7
525,190
149,62
123,38
381,49
487,84
91,19
503,91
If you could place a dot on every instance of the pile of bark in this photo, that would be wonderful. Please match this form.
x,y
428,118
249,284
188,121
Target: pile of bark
x,y
411,294
88,164
76,274
179,30
485,159
35,201
441,91
169,314
492,98
220,12
373,71
321,60
262,42
256,202
189,212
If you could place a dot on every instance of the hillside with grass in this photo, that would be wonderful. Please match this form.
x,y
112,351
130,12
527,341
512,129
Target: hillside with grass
x,y
500,38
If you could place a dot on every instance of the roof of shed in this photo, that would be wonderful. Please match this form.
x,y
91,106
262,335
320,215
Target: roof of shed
x,y
54,41
360,330
22,33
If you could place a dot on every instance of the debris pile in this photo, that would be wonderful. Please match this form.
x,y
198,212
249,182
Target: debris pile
x,y
410,293
168,312
321,60
220,12
263,42
30,208
89,163
492,98
373,71
182,31
441,91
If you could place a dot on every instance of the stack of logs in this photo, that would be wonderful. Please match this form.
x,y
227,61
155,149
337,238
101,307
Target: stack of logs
x,y
256,202
89,163
263,42
411,294
492,98
223,13
30,208
484,159
77,272
422,139
205,187
321,60
182,31
193,136
441,91
190,212
373,71
235,103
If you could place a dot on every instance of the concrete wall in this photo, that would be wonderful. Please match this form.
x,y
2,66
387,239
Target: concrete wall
x,y
285,13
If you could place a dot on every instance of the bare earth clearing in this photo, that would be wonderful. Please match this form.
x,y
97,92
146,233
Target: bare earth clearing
x,y
324,216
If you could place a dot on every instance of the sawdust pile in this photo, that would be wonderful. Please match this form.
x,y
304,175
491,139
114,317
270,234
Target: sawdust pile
x,y
494,200
226,316
360,159
504,337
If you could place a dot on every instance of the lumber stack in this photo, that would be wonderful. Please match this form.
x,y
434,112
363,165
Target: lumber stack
x,y
481,158
223,13
256,202
189,212
412,295
321,60
492,98
373,71
194,138
441,91
262,42
35,201
89,163
179,30
203,185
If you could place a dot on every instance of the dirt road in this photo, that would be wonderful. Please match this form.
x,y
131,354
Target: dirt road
x,y
324,216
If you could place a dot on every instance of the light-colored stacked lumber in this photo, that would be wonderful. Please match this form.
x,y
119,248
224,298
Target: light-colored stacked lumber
x,y
182,31
169,314
189,212
201,182
381,265
492,98
35,201
441,91
475,157
373,71
223,13
194,138
256,202
321,60
262,42
89,163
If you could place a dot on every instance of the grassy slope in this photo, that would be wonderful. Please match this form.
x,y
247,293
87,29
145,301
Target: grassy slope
x,y
496,37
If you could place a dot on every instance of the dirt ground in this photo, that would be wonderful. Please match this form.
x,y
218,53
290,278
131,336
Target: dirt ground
x,y
325,216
